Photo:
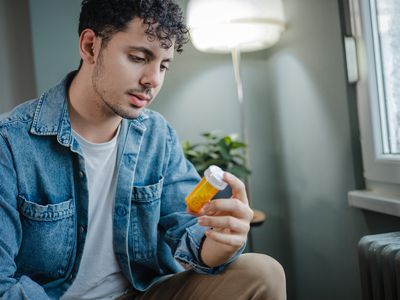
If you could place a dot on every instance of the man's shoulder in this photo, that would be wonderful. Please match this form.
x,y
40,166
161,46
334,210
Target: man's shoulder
x,y
21,114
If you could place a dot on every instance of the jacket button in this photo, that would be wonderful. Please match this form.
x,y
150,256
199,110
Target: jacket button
x,y
121,211
81,174
81,229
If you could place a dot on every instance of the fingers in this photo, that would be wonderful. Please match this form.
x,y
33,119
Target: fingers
x,y
225,222
231,206
235,240
228,218
238,187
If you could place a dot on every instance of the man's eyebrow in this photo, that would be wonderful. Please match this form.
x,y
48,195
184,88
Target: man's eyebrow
x,y
147,52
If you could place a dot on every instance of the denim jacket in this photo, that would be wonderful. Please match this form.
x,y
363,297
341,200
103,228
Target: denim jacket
x,y
44,201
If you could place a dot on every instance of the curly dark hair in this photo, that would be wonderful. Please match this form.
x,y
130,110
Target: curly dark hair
x,y
164,19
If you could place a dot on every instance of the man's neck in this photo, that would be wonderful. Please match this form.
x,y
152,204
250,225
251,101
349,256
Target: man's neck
x,y
89,116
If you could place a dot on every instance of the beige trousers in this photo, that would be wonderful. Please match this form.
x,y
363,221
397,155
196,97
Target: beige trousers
x,y
252,276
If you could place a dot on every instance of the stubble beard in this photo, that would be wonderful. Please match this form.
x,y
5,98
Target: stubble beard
x,y
110,104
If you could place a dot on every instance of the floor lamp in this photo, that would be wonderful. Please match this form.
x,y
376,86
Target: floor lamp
x,y
236,26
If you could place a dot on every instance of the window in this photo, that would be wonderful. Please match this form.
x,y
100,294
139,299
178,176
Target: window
x,y
386,37
376,27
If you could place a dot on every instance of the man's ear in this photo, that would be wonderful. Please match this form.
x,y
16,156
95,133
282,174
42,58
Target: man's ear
x,y
87,46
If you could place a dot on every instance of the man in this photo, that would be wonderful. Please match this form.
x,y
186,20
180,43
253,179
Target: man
x,y
93,183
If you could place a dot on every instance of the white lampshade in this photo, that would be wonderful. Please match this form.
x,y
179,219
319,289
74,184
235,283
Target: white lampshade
x,y
220,26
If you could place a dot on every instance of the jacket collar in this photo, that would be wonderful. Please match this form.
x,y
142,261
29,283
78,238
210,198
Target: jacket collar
x,y
51,116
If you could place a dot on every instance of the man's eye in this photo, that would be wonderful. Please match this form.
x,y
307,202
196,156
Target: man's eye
x,y
136,58
164,68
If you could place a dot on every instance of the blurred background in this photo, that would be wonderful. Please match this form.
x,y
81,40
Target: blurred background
x,y
300,116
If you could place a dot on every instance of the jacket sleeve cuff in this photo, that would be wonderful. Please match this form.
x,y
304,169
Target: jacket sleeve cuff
x,y
188,251
25,289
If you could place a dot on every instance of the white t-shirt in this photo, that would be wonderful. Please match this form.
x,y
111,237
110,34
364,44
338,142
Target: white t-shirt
x,y
99,275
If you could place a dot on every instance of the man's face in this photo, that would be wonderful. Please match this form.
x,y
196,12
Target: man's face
x,y
130,71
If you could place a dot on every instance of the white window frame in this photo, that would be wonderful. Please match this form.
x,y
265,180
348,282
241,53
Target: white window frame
x,y
381,171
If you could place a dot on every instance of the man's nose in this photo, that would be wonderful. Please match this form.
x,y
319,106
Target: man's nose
x,y
152,76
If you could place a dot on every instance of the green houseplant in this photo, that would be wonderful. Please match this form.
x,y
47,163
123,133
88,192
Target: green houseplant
x,y
224,151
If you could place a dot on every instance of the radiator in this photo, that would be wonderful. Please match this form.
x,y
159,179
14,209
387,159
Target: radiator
x,y
379,261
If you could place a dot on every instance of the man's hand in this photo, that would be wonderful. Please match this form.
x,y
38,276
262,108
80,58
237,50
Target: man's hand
x,y
229,222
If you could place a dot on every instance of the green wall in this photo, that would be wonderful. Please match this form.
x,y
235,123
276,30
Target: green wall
x,y
298,119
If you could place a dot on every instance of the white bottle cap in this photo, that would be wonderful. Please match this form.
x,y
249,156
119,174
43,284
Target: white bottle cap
x,y
215,176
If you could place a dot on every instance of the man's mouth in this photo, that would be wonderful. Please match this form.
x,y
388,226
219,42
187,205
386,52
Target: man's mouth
x,y
139,100
141,96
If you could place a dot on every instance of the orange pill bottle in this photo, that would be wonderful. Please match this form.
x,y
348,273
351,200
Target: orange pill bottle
x,y
205,190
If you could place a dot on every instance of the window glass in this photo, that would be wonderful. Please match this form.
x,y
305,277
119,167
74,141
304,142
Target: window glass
x,y
386,30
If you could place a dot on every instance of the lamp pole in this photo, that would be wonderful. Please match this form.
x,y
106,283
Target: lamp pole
x,y
236,69
243,128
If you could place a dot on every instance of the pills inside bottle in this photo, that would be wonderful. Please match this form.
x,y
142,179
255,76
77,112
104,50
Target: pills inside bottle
x,y
206,189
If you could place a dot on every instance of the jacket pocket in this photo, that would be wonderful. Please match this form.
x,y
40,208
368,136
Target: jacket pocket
x,y
145,215
47,239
